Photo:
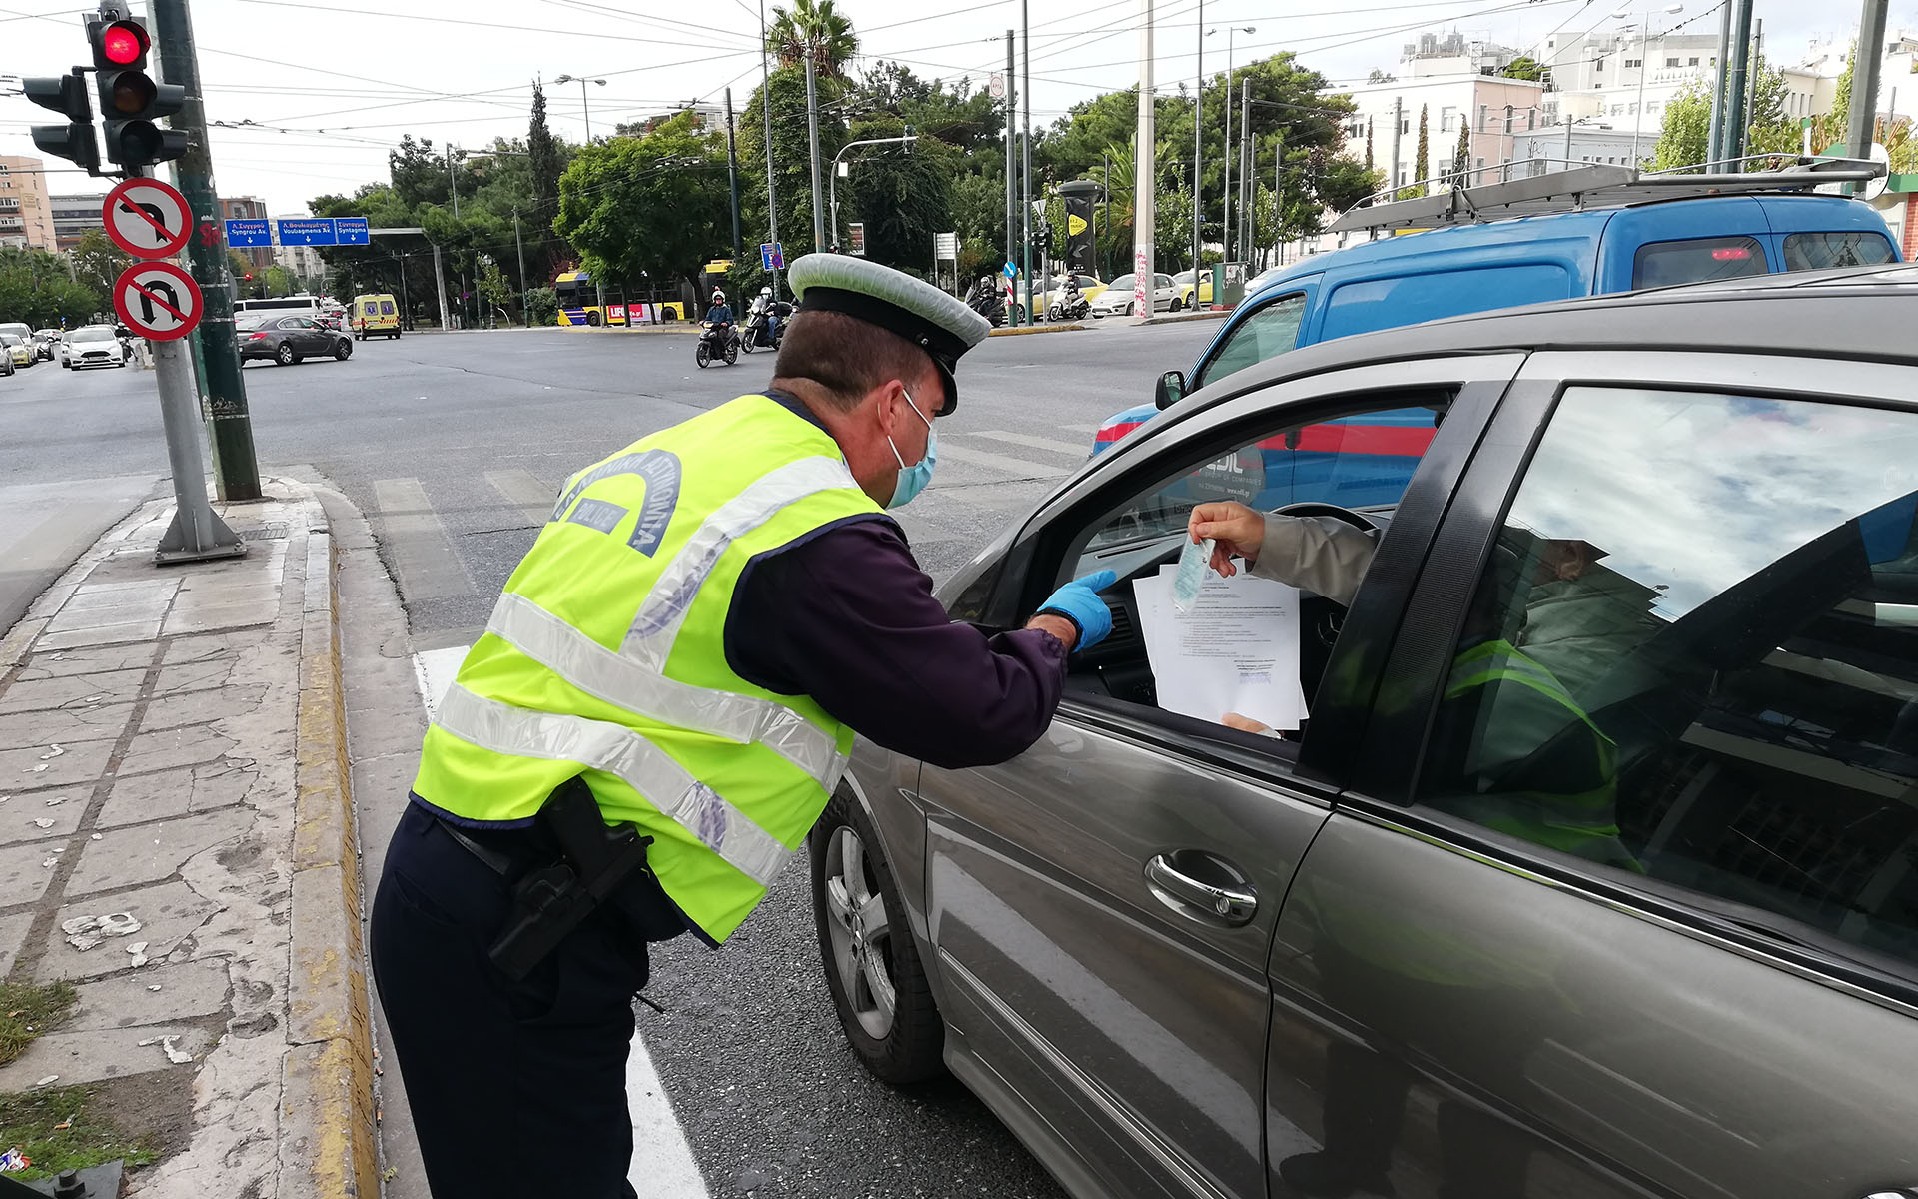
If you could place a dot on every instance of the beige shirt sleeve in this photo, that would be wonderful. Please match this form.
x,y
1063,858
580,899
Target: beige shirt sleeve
x,y
1317,554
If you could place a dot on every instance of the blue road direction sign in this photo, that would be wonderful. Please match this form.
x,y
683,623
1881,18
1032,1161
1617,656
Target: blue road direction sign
x,y
772,256
352,231
313,231
247,235
1012,270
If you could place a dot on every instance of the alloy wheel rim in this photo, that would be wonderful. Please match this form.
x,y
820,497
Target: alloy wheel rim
x,y
860,933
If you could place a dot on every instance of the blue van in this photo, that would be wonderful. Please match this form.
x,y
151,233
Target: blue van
x,y
1426,276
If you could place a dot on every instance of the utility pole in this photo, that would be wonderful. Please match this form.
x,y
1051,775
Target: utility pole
x,y
1198,149
732,171
1715,132
1245,164
1865,69
1146,174
1398,133
812,139
1025,169
766,110
439,272
1012,138
525,317
1734,130
236,469
1225,159
1751,71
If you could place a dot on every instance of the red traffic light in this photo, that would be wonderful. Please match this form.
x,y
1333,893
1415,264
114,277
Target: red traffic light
x,y
249,276
123,43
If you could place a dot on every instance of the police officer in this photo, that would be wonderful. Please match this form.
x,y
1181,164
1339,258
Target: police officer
x,y
687,651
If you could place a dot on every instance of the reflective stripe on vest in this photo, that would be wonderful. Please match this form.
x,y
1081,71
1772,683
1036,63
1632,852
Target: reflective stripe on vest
x,y
619,751
656,626
641,689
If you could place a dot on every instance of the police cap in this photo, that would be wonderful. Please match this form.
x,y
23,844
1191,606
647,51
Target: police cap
x,y
915,310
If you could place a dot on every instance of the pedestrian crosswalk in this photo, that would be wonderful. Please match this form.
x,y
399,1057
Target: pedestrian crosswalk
x,y
449,541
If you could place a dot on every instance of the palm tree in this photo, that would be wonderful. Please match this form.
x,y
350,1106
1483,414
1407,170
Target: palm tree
x,y
812,29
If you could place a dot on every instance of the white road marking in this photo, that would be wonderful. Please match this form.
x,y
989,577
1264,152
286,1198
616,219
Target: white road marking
x,y
524,491
1072,449
417,541
663,1165
1018,468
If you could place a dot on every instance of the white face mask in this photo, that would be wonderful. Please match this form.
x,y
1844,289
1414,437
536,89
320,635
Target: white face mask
x,y
913,479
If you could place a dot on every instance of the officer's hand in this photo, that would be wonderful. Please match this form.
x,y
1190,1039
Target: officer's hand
x,y
1234,529
1079,602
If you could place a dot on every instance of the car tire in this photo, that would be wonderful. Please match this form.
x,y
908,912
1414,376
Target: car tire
x,y
344,350
1176,305
878,986
1132,308
284,356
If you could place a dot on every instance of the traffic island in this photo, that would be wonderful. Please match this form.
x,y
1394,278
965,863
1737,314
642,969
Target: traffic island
x,y
177,845
1026,330
1177,318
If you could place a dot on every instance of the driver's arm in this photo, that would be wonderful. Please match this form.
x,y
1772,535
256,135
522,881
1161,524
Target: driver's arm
x,y
1313,553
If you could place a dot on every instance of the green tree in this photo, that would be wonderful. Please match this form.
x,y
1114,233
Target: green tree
x,y
544,159
791,160
1462,154
97,262
278,281
1684,131
36,289
902,193
1369,162
419,172
1420,187
653,206
813,29
1524,67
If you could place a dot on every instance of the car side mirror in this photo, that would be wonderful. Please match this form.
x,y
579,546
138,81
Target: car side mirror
x,y
1171,390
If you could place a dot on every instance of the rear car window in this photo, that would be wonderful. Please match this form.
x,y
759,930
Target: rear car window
x,y
1821,251
1374,304
1670,263
1703,667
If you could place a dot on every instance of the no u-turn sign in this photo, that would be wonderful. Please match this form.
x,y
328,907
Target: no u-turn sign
x,y
157,300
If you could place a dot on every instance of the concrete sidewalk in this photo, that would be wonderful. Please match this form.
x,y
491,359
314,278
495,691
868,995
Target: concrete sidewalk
x,y
173,755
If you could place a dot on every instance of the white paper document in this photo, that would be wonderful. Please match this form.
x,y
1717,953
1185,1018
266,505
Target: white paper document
x,y
1236,649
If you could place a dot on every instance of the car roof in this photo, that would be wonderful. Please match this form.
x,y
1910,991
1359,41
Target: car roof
x,y
1861,313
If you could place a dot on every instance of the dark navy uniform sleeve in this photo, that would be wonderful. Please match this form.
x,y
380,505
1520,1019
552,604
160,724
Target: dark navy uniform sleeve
x,y
848,618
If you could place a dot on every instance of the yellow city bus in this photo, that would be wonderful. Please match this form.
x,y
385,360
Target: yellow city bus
x,y
579,307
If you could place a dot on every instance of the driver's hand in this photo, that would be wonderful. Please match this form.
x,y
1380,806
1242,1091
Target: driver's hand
x,y
1245,724
1235,530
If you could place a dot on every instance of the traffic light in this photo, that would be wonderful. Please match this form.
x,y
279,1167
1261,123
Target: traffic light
x,y
131,103
73,141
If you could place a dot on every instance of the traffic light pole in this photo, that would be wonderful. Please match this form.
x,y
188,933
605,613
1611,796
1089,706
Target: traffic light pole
x,y
236,469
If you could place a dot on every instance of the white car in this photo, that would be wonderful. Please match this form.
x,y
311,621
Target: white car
x,y
94,345
1117,299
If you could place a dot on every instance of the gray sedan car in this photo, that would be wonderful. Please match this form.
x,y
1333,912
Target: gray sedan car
x,y
1594,870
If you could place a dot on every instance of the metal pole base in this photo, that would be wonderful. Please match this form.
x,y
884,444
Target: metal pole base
x,y
197,533
184,542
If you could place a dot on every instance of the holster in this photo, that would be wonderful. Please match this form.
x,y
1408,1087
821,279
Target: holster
x,y
594,864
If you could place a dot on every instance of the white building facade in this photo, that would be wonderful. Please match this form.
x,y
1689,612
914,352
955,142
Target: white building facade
x,y
1492,110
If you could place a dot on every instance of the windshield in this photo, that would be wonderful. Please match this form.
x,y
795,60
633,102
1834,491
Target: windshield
x,y
91,334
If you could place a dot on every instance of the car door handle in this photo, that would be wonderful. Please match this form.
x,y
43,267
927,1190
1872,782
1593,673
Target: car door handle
x,y
1230,905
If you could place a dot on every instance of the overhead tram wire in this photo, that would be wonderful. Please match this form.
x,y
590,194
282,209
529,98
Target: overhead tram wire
x,y
594,35
600,10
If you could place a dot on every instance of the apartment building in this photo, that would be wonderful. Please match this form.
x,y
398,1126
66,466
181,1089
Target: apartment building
x,y
26,210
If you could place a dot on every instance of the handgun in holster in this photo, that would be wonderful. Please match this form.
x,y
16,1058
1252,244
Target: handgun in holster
x,y
551,901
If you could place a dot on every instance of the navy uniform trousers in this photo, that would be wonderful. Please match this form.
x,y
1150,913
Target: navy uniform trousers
x,y
517,1089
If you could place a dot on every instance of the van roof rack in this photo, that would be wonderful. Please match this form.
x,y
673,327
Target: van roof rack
x,y
1595,186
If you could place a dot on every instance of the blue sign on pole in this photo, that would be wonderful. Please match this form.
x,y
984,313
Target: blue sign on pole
x,y
247,235
772,256
352,231
316,231
1012,270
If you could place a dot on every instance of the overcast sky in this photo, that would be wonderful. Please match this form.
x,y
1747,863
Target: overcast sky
x,y
364,73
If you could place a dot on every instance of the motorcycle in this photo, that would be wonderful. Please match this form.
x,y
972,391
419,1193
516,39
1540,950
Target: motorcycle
x,y
1071,305
766,327
987,302
719,342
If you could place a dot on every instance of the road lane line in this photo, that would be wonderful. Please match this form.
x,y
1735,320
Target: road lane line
x,y
1078,450
1016,467
1088,430
417,544
524,491
663,1166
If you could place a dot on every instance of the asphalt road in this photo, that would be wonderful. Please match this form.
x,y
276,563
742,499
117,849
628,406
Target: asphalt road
x,y
454,446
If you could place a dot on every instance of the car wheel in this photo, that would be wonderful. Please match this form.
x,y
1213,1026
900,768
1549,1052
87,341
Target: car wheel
x,y
344,350
285,355
1132,308
702,355
1176,305
872,965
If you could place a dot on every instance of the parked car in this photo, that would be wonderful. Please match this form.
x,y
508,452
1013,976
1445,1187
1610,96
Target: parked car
x,y
19,351
1183,282
285,340
1590,872
1624,237
6,366
1118,299
90,346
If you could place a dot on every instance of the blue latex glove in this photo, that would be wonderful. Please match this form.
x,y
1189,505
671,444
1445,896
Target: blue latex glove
x,y
1079,602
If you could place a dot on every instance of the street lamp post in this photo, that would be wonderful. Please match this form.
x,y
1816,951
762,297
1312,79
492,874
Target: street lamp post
x,y
586,107
1225,224
833,187
1644,42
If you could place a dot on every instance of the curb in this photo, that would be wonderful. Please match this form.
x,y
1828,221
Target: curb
x,y
1181,318
1031,330
328,1121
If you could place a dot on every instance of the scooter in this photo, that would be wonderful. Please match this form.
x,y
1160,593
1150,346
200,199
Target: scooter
x,y
766,328
720,342
987,302
1071,305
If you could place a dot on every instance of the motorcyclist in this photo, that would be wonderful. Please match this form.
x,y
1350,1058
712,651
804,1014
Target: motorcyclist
x,y
1071,301
719,318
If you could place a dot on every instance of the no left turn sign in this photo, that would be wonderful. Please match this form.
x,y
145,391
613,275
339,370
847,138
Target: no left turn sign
x,y
157,300
147,218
